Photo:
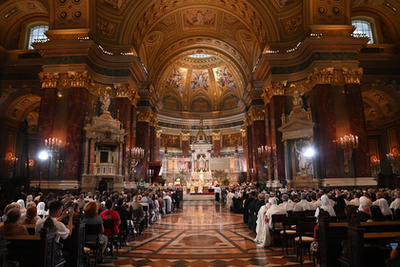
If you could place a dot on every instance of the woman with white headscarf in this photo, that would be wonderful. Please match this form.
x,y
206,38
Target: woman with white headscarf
x,y
326,206
22,208
40,210
384,206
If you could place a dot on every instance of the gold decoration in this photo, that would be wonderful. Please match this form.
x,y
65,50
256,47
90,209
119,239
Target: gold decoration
x,y
275,88
216,135
144,116
243,132
185,136
256,115
352,76
49,80
321,76
127,90
153,121
78,79
158,133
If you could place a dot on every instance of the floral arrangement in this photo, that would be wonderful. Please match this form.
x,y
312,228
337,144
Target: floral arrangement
x,y
201,170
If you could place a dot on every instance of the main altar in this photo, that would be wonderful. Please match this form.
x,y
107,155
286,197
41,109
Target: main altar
x,y
201,170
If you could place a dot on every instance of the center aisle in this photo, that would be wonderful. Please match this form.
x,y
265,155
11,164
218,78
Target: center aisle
x,y
199,234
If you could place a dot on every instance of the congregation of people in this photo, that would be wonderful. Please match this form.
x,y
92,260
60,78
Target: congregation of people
x,y
143,207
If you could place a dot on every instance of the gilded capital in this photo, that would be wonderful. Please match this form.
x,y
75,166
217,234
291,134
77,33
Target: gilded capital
x,y
321,76
49,80
154,121
76,79
144,116
352,76
185,136
257,115
243,132
275,88
216,135
128,91
158,133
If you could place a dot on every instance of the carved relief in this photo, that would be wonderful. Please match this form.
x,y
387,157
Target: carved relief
x,y
70,14
216,135
144,116
352,76
321,76
185,136
243,132
199,18
49,80
293,24
275,88
106,27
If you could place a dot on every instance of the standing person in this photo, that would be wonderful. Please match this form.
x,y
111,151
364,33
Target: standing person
x,y
125,213
217,193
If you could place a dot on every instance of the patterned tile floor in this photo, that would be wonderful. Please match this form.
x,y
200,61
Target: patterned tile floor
x,y
200,234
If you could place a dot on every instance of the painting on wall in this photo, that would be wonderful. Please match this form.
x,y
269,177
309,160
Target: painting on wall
x,y
199,18
224,78
231,140
201,105
176,80
170,140
200,79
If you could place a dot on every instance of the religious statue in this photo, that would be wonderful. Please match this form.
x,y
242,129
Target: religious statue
x,y
303,162
192,187
202,162
297,99
200,188
105,102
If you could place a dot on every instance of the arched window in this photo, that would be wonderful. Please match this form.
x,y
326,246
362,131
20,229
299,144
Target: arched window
x,y
363,27
36,32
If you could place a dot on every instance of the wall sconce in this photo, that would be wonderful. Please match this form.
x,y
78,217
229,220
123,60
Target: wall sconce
x,y
375,165
53,147
11,162
135,155
394,160
347,143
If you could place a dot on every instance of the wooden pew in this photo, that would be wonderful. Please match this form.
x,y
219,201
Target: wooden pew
x,y
368,243
35,250
331,235
74,244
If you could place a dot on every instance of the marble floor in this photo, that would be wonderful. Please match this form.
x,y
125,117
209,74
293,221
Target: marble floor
x,y
200,233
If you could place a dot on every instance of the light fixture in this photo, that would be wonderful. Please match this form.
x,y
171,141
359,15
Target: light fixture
x,y
347,143
135,154
53,147
394,160
267,154
375,165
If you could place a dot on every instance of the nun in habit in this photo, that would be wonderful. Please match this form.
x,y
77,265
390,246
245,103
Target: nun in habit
x,y
264,222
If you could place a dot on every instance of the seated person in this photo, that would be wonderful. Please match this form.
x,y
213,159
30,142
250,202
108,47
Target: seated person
x,y
31,216
364,212
56,214
11,226
111,214
138,214
92,217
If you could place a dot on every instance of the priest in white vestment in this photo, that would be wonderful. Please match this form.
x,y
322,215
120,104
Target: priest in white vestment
x,y
264,223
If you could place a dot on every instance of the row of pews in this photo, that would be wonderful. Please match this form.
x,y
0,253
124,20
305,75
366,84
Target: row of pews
x,y
42,250
356,244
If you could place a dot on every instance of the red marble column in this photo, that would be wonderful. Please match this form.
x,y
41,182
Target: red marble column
x,y
185,148
245,154
143,141
325,119
250,163
76,115
258,140
217,146
152,143
276,105
157,146
125,110
45,127
355,109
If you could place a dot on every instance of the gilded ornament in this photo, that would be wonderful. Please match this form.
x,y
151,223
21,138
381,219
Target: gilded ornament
x,y
78,79
144,116
49,80
185,136
321,76
158,133
216,135
243,132
352,76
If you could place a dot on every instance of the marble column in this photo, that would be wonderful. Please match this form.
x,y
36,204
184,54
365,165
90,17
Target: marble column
x,y
125,110
250,163
143,119
257,141
325,119
45,128
358,127
157,145
185,144
77,109
277,104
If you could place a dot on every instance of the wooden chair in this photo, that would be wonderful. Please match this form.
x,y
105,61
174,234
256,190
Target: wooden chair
x,y
288,233
96,245
305,231
112,238
277,226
